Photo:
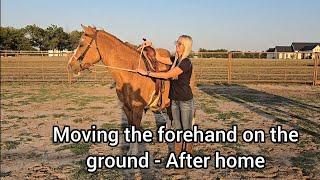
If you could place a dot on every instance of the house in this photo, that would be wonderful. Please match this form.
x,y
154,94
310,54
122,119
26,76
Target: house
x,y
56,52
297,50
284,52
305,50
270,54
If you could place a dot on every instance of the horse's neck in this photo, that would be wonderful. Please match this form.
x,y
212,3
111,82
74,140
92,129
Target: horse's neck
x,y
117,54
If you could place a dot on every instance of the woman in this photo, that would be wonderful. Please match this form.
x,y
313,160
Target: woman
x,y
182,103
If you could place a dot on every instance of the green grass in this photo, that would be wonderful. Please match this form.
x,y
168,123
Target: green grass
x,y
32,155
23,102
43,94
4,174
37,136
81,148
96,107
107,113
316,140
209,108
16,117
228,115
246,120
81,173
76,148
11,144
206,103
25,134
74,109
59,115
307,161
4,122
41,116
109,126
84,119
85,100
13,95
148,125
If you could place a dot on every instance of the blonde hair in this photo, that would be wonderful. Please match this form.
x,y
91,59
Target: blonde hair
x,y
187,43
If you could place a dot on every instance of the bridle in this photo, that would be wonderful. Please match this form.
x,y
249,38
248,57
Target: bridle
x,y
82,55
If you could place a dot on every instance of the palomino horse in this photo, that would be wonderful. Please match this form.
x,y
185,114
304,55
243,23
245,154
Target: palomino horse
x,y
133,89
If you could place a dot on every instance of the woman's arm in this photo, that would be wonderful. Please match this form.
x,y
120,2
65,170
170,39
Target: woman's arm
x,y
162,75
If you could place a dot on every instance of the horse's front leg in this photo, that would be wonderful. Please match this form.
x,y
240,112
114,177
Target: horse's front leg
x,y
135,120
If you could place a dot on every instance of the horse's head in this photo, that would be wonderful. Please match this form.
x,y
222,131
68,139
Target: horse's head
x,y
87,52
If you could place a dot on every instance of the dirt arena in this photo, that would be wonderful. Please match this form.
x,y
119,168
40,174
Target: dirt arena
x,y
29,110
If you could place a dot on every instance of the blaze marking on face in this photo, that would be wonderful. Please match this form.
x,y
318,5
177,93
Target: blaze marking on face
x,y
74,53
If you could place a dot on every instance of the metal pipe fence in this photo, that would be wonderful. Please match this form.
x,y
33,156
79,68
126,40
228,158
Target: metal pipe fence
x,y
210,67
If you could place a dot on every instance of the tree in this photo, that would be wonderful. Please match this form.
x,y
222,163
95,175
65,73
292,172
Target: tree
x,y
14,39
214,50
36,35
33,37
218,55
74,38
56,38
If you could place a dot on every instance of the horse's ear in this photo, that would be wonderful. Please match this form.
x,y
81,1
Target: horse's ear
x,y
84,27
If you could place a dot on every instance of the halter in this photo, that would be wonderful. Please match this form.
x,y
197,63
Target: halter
x,y
82,55
94,38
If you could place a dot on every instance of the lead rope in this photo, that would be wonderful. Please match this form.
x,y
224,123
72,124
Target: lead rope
x,y
140,56
118,68
175,61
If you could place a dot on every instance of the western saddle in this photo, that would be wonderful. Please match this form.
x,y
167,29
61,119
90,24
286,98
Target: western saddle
x,y
157,60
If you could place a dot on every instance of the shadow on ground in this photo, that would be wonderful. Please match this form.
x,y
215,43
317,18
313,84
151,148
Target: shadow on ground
x,y
271,106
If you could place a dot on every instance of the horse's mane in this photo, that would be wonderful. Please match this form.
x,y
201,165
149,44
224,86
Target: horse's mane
x,y
119,40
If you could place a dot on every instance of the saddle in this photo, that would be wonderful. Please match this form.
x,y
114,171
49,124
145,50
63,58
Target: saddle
x,y
157,60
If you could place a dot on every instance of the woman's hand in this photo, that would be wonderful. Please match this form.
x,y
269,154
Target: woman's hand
x,y
142,72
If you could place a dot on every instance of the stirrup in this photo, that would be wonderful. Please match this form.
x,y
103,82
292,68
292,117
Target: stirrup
x,y
153,102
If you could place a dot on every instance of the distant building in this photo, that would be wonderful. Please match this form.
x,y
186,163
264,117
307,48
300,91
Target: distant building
x,y
305,50
56,52
284,52
297,50
271,55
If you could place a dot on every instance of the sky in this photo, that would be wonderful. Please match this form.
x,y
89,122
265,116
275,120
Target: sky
x,y
250,25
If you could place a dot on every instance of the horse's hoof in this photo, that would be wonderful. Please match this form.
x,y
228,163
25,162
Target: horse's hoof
x,y
129,153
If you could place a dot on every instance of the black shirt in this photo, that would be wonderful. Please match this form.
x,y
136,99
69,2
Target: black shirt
x,y
180,89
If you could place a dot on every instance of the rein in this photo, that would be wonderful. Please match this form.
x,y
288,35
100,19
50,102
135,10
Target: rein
x,y
118,68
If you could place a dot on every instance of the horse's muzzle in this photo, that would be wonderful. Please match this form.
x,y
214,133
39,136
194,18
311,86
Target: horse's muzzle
x,y
74,69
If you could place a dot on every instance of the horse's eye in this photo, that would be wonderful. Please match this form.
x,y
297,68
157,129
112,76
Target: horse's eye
x,y
81,45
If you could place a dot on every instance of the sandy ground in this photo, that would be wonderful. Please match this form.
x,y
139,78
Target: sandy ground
x,y
28,112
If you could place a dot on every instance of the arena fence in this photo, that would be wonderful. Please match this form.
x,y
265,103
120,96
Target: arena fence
x,y
210,67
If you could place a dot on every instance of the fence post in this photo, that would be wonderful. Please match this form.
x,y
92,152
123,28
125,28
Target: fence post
x,y
285,71
95,74
42,70
200,75
315,68
229,67
70,76
19,68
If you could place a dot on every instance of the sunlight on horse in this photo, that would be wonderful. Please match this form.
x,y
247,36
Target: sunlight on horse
x,y
133,90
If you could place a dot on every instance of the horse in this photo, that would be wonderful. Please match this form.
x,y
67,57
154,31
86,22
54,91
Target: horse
x,y
133,90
